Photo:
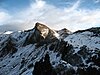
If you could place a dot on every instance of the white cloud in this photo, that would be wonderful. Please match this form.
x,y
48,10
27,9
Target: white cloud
x,y
97,1
73,18
39,3
4,17
74,7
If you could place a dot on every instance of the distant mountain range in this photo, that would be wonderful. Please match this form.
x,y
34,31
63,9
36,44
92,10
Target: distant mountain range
x,y
44,51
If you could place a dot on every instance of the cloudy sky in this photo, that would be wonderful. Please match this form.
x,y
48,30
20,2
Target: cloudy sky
x,y
57,14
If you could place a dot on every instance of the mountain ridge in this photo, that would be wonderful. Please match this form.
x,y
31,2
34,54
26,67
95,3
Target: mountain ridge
x,y
68,53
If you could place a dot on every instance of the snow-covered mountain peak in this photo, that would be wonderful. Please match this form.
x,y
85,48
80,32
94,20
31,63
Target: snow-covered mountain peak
x,y
43,29
43,51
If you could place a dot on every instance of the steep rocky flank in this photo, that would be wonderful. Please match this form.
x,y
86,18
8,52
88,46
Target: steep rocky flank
x,y
7,47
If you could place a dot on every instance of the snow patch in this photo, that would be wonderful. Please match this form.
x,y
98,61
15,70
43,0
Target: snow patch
x,y
8,32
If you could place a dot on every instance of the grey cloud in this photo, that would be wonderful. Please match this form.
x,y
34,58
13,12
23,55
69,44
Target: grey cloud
x,y
4,28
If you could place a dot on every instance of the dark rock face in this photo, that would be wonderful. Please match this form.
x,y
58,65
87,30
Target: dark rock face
x,y
88,71
9,47
44,67
40,34
66,50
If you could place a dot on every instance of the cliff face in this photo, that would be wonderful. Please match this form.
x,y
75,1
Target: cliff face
x,y
61,52
40,33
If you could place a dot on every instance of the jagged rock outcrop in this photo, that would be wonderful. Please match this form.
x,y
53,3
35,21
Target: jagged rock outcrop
x,y
64,33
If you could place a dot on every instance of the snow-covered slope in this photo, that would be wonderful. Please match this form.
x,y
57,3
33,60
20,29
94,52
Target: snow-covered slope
x,y
30,47
85,38
86,50
69,52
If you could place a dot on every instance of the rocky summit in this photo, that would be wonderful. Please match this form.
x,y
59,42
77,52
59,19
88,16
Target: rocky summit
x,y
44,51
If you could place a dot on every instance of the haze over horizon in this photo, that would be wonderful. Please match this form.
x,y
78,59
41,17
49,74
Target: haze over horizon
x,y
57,14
